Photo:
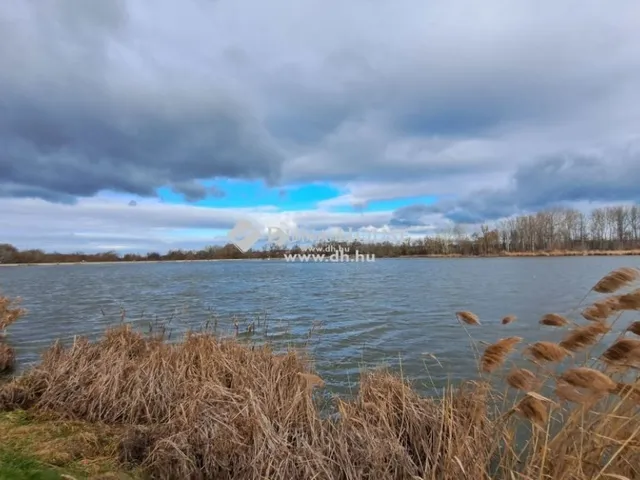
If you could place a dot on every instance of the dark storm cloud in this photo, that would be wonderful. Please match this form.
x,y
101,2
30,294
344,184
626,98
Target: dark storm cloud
x,y
25,191
66,130
609,176
396,97
412,215
80,147
193,191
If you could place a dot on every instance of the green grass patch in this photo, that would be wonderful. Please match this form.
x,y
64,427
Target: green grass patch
x,y
16,466
37,448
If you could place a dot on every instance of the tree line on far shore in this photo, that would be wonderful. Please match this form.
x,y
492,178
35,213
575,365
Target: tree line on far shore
x,y
604,229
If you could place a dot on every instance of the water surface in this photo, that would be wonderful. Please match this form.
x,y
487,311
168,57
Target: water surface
x,y
392,311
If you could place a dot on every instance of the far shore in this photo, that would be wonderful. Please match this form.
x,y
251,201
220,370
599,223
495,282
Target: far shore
x,y
553,253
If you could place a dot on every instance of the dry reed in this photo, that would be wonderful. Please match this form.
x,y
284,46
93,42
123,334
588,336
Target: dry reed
x,y
630,301
634,328
469,318
533,409
601,310
626,390
617,279
7,358
554,320
495,354
9,312
588,378
509,319
522,379
624,352
584,336
209,408
546,352
568,393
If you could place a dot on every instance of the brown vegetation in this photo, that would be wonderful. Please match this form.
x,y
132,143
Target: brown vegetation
x,y
9,313
496,354
509,319
469,318
7,358
554,320
209,408
212,408
616,280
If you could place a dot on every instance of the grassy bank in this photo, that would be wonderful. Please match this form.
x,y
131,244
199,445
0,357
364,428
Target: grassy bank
x,y
135,405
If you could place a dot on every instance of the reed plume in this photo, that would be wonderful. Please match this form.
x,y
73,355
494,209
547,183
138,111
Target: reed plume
x,y
521,379
617,279
7,358
584,336
509,319
630,301
533,409
554,320
9,312
588,378
546,351
602,309
467,317
569,393
495,354
624,352
634,328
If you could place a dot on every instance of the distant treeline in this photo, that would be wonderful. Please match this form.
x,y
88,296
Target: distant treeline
x,y
604,229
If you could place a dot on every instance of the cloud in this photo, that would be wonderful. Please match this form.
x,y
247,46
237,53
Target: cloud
x,y
92,223
493,107
193,191
606,177
74,122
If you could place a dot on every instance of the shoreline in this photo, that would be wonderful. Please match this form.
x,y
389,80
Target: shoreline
x,y
554,253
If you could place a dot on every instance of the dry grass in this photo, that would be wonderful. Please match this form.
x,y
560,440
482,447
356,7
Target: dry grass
x,y
211,408
522,379
617,279
634,328
467,317
509,319
554,320
7,358
584,336
496,354
630,301
624,352
546,352
9,313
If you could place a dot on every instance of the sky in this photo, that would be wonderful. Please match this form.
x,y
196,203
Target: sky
x,y
147,126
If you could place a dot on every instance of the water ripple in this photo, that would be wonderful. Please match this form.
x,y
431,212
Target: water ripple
x,y
352,316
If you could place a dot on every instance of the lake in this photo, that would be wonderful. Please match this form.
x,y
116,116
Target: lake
x,y
391,311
